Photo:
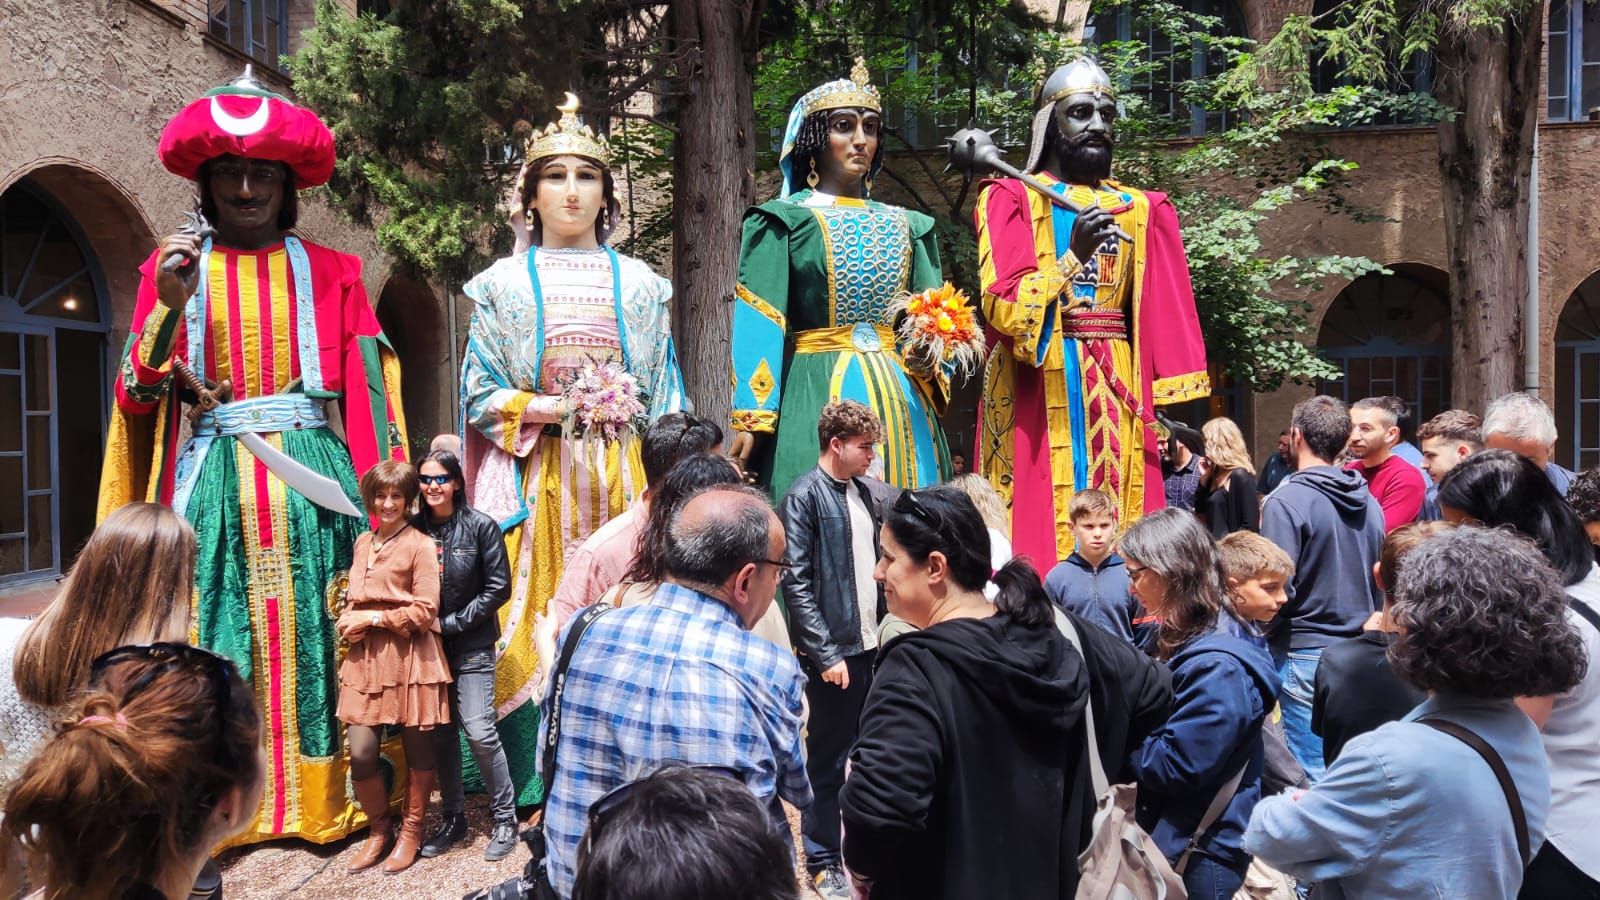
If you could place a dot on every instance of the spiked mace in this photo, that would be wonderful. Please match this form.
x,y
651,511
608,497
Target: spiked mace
x,y
972,150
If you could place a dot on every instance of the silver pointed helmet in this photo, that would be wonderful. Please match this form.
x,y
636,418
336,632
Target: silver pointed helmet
x,y
1081,76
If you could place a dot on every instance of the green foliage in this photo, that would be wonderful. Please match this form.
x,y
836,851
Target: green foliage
x,y
429,105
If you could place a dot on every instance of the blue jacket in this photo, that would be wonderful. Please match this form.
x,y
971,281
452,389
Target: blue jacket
x,y
1100,594
1223,684
1408,812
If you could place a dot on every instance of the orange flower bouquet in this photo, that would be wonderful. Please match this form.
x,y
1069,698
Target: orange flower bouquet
x,y
938,328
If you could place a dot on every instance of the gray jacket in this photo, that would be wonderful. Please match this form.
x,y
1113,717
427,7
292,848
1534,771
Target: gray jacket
x,y
818,588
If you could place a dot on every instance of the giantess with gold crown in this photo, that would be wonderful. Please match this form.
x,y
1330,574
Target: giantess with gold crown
x,y
562,302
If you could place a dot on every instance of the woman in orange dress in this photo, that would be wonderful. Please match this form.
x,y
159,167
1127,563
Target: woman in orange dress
x,y
395,672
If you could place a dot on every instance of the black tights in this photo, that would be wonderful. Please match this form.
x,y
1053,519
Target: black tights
x,y
364,747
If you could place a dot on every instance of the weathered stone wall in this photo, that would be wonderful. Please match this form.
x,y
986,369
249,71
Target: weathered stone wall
x,y
83,108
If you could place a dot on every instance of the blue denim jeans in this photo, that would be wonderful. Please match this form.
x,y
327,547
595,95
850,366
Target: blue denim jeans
x,y
1207,879
1299,674
472,708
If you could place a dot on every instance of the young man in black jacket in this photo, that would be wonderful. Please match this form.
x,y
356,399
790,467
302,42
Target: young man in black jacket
x,y
474,582
834,606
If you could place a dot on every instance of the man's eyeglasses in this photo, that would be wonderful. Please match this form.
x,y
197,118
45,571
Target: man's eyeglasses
x,y
782,566
910,505
435,479
175,657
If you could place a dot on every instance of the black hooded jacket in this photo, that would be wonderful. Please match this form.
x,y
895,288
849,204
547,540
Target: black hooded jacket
x,y
970,776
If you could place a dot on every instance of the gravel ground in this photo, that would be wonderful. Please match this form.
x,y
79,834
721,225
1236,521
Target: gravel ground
x,y
299,869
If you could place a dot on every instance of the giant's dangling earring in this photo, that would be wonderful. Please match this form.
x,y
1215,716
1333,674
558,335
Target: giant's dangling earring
x,y
867,183
813,178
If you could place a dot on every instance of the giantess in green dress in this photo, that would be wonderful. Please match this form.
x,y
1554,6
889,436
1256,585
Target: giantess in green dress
x,y
819,270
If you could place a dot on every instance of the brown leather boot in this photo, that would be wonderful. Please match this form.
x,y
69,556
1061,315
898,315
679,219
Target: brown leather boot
x,y
374,801
418,791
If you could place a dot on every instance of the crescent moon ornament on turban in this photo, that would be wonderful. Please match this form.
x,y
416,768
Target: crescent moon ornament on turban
x,y
236,126
244,119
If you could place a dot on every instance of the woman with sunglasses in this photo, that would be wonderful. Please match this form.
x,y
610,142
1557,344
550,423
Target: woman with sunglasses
x,y
475,582
157,764
1223,684
394,672
965,778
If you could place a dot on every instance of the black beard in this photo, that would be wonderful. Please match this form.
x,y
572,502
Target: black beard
x,y
1082,163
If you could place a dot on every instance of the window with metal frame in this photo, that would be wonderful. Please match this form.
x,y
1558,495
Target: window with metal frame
x,y
1572,55
1577,400
1174,66
1390,335
257,28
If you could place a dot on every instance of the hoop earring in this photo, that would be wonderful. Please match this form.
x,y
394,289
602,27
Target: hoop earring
x,y
813,178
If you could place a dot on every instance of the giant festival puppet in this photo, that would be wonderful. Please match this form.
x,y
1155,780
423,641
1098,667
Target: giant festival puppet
x,y
1089,295
823,271
557,327
263,336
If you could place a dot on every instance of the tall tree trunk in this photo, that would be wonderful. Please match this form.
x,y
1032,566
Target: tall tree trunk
x,y
713,159
1490,76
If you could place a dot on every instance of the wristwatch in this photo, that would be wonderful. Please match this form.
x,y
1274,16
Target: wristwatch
x,y
377,619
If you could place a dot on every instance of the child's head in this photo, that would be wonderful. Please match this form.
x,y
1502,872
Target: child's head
x,y
1094,523
1256,570
1401,541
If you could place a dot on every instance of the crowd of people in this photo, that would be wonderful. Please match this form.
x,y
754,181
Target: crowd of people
x,y
1367,668
1370,700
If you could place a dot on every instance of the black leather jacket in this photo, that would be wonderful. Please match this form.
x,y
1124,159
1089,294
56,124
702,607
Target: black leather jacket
x,y
475,581
819,588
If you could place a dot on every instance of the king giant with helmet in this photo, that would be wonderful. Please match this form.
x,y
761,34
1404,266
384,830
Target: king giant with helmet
x,y
1093,332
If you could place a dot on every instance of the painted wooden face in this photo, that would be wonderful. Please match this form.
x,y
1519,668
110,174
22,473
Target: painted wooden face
x,y
853,136
569,197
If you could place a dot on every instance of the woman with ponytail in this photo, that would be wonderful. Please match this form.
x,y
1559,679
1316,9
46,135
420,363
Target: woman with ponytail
x,y
969,777
1224,684
159,762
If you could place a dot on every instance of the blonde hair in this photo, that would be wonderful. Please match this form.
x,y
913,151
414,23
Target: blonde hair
x,y
986,499
135,572
1091,500
1225,445
1246,555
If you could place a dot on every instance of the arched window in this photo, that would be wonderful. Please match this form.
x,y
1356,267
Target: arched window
x,y
1174,65
1572,46
52,343
1577,406
1390,334
1413,76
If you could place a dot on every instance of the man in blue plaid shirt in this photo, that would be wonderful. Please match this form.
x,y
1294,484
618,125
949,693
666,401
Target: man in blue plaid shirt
x,y
681,678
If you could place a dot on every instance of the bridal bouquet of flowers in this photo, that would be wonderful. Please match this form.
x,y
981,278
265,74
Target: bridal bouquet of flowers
x,y
603,400
938,328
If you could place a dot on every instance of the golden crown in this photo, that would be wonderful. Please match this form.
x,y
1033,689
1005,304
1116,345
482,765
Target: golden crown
x,y
855,93
568,136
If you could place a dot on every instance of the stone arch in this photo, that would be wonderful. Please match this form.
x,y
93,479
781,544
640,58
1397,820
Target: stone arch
x,y
72,241
1390,335
409,311
112,221
1577,376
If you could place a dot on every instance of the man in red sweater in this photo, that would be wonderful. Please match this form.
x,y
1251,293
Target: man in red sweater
x,y
1397,484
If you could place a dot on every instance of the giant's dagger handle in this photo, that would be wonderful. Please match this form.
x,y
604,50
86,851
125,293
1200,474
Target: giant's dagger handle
x,y
973,149
193,223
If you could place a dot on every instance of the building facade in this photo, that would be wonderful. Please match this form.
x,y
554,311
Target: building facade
x,y
1391,334
85,87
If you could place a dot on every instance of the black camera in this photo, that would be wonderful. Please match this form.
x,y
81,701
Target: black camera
x,y
532,884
